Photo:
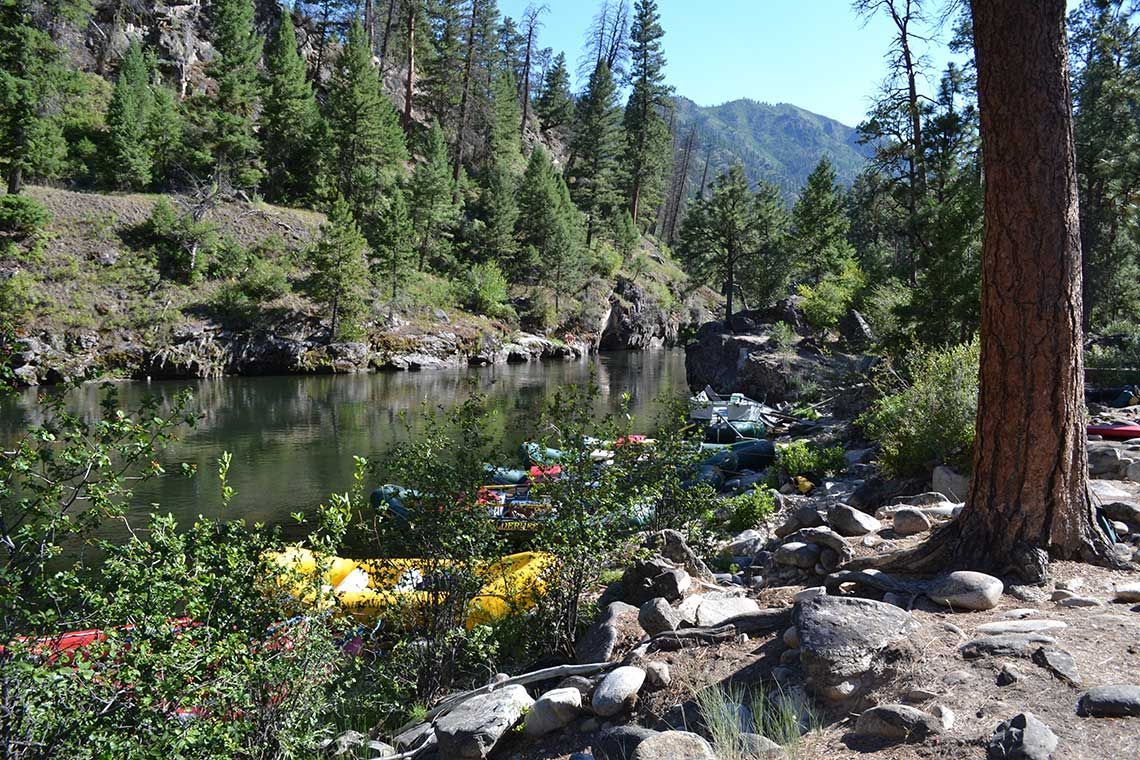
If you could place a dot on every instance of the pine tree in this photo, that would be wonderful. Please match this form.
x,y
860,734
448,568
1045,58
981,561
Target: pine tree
x,y
593,170
727,237
340,272
441,81
820,225
648,150
548,229
433,209
292,128
129,157
233,140
29,75
368,150
394,253
1106,92
556,103
499,211
166,136
503,141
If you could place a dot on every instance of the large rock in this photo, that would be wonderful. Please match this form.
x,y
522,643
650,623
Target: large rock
x,y
618,690
716,608
472,729
658,616
909,521
1022,737
755,366
620,742
1124,511
1119,701
847,643
966,590
647,579
897,722
950,483
798,554
674,745
598,642
552,711
1128,593
848,521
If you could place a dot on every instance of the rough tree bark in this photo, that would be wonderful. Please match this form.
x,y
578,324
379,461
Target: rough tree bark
x,y
410,81
1029,498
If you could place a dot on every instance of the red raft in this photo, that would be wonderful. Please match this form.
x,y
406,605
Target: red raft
x,y
1115,432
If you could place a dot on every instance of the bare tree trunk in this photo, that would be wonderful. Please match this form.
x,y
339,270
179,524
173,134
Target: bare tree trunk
x,y
370,27
679,198
1029,498
532,24
16,165
705,174
463,101
388,30
410,83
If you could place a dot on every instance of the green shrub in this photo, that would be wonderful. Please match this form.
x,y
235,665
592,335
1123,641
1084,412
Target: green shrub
x,y
885,308
17,297
827,302
930,421
537,312
181,244
784,335
607,261
1113,359
750,509
486,291
22,217
803,458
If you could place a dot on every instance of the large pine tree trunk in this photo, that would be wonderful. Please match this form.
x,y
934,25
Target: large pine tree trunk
x,y
1029,498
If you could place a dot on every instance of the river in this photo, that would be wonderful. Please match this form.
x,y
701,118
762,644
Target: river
x,y
293,438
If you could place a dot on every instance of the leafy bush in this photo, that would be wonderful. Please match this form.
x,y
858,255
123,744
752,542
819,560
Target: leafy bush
x,y
22,217
827,302
17,297
750,509
607,261
486,291
803,458
930,421
885,308
1112,359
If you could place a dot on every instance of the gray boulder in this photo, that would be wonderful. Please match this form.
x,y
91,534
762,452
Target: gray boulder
x,y
1022,737
598,642
1128,593
948,482
847,643
966,590
897,722
620,742
553,710
658,616
757,747
674,745
618,690
908,521
848,521
1033,625
798,554
646,579
716,608
472,729
1119,701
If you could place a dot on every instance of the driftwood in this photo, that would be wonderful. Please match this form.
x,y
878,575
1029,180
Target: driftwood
x,y
727,630
693,637
546,674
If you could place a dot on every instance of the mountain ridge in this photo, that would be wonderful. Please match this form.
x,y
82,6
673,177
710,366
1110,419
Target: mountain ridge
x,y
777,142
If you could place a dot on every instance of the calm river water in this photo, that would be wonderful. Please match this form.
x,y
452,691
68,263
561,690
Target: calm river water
x,y
293,438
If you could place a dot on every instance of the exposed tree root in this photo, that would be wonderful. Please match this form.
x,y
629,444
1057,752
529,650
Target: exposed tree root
x,y
956,547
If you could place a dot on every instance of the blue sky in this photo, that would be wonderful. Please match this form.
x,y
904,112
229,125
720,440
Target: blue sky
x,y
813,53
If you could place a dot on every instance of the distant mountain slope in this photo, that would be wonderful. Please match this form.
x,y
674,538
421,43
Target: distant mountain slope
x,y
780,143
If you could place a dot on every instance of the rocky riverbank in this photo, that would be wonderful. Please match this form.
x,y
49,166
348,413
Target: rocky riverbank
x,y
98,307
863,664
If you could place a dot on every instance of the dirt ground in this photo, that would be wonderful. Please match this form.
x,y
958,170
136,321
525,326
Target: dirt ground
x,y
1104,641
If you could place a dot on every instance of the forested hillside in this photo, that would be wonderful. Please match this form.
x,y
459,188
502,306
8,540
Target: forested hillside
x,y
778,143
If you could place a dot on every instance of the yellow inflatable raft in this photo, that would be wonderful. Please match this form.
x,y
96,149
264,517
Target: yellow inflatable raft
x,y
403,588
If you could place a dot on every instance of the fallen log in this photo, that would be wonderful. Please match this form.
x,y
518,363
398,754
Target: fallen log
x,y
693,637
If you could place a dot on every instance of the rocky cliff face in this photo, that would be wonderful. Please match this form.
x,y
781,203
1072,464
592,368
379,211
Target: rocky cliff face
x,y
753,361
